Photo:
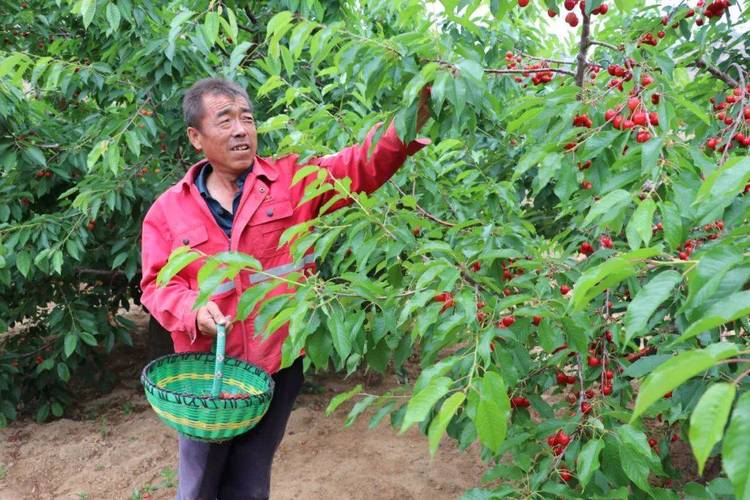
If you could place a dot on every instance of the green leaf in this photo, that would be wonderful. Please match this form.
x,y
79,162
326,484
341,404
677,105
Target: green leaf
x,y
63,372
342,398
238,54
672,223
113,17
708,420
588,461
422,402
493,411
88,9
70,344
647,301
673,373
36,155
650,155
734,307
96,153
610,202
635,456
23,263
607,274
725,182
696,110
640,224
736,448
251,297
211,28
443,418
180,258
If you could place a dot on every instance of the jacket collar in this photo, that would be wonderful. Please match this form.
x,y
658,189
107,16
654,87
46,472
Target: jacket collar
x,y
261,167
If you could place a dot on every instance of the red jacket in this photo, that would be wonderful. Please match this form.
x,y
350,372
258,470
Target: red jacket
x,y
180,216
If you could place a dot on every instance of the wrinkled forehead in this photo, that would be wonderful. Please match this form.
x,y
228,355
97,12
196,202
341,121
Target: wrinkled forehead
x,y
216,104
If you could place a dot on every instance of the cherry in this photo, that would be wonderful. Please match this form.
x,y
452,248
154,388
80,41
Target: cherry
x,y
519,402
633,103
655,98
585,408
476,266
646,80
551,12
682,256
508,321
565,475
603,9
569,4
562,439
608,374
593,361
523,3
746,112
605,241
536,320
607,389
586,185
564,289
609,114
507,292
562,379
668,395
652,442
91,225
661,34
586,248
571,19
653,118
642,136
675,438
571,379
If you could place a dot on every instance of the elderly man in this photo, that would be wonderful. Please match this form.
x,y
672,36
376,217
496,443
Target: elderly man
x,y
233,200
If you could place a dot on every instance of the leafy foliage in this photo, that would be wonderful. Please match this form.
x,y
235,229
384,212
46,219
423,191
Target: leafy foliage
x,y
531,188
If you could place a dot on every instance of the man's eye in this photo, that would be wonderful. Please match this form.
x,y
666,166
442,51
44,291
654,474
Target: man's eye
x,y
248,118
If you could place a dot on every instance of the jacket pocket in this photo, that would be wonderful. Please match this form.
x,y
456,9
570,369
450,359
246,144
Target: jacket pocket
x,y
192,237
267,225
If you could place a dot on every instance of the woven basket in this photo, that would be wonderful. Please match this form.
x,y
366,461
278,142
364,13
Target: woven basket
x,y
185,390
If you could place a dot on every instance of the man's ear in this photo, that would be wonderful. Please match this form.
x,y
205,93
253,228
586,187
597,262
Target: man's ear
x,y
195,137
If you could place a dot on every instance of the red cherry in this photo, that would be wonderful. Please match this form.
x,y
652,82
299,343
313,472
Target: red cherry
x,y
675,438
508,321
562,379
480,304
668,395
606,389
642,137
605,241
551,12
589,393
633,103
565,475
476,266
593,361
569,4
608,334
586,185
536,320
564,289
627,124
523,3
603,8
571,19
507,292
646,80
640,118
585,408
682,256
571,379
608,374
653,118
562,438
661,34
655,98
652,442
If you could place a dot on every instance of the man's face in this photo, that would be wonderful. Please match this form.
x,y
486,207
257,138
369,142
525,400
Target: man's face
x,y
227,133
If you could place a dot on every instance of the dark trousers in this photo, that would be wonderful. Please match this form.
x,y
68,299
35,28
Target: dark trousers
x,y
240,468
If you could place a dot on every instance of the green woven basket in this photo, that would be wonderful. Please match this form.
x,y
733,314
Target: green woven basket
x,y
185,390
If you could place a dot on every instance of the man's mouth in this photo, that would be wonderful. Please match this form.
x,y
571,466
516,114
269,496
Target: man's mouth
x,y
241,147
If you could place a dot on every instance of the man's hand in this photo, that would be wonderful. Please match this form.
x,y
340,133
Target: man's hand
x,y
423,113
208,317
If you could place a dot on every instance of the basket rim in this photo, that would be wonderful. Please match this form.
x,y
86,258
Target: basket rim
x,y
262,398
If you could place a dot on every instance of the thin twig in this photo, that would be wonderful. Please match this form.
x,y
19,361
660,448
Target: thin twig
x,y
422,210
699,63
605,44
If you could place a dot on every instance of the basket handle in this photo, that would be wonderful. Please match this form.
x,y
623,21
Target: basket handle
x,y
219,365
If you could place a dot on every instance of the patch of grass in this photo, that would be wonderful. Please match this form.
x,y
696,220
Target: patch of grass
x,y
127,408
3,471
169,480
99,468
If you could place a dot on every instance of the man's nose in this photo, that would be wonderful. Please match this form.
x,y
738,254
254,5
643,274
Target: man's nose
x,y
238,130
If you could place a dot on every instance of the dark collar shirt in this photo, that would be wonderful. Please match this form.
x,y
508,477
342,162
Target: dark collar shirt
x,y
223,217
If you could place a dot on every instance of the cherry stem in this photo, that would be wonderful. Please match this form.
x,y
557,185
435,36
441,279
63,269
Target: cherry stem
x,y
699,63
605,44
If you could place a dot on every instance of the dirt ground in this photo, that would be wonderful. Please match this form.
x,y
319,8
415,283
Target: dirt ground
x,y
113,446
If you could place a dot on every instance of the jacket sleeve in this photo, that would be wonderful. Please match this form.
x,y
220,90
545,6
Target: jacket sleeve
x,y
170,305
367,172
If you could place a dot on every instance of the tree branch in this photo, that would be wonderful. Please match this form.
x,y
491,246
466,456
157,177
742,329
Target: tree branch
x,y
582,48
699,63
517,71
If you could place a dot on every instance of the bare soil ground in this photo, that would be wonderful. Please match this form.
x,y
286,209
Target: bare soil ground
x,y
112,446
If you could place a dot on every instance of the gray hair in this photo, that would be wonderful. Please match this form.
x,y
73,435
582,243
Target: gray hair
x,y
192,103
